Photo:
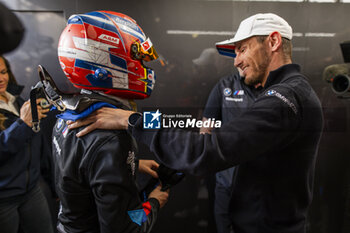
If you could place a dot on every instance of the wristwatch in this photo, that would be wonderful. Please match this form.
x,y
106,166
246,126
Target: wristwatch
x,y
133,118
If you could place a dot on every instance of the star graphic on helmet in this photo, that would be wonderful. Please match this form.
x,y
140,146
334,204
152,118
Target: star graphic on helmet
x,y
156,115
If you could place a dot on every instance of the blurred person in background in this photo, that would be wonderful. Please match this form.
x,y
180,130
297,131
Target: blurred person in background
x,y
22,202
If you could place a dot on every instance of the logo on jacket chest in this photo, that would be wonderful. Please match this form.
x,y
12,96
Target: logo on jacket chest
x,y
233,95
62,127
283,98
59,125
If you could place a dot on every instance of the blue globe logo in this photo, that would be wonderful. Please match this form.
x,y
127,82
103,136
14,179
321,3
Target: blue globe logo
x,y
227,91
271,92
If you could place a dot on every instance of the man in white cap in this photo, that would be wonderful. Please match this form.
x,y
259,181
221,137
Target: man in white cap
x,y
262,44
225,107
273,143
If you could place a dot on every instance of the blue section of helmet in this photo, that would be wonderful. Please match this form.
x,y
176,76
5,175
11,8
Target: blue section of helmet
x,y
150,83
107,83
135,35
99,24
93,66
97,14
85,65
86,18
75,20
118,20
128,23
95,82
101,73
96,23
118,61
125,22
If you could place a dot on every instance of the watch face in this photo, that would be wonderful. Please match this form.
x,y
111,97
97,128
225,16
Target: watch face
x,y
133,118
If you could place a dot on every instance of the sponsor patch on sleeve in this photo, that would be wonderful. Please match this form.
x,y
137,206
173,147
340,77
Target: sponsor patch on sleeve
x,y
283,98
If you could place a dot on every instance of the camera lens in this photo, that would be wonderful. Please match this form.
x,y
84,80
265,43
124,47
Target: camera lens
x,y
341,84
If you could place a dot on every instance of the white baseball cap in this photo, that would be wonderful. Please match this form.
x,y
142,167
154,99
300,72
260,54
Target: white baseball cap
x,y
260,25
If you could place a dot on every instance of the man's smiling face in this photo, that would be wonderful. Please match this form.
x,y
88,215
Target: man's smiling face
x,y
253,59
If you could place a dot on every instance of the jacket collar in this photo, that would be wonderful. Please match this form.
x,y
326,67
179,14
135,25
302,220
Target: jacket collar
x,y
282,73
10,98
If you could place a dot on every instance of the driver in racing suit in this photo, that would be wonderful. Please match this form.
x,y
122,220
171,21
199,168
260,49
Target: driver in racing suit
x,y
95,175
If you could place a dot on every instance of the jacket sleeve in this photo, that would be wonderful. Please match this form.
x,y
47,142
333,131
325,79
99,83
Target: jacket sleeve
x,y
213,106
14,137
116,196
268,124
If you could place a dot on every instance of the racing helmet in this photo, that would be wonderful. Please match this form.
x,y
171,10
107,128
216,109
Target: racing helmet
x,y
105,51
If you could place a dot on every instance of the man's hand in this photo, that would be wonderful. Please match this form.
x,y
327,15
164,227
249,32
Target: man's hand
x,y
149,167
103,118
26,112
204,130
161,196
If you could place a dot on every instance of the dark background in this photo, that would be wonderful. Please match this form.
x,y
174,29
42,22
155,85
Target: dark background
x,y
184,34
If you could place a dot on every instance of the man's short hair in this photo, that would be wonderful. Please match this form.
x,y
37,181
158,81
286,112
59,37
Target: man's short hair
x,y
286,46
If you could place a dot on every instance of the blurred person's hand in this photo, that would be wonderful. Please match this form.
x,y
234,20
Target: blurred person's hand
x,y
26,112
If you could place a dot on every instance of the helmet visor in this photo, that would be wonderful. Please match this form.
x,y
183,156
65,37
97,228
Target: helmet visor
x,y
144,51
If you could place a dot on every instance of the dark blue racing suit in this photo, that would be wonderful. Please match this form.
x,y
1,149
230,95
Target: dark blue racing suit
x,y
95,180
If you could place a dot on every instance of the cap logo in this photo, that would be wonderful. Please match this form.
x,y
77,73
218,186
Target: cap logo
x,y
264,18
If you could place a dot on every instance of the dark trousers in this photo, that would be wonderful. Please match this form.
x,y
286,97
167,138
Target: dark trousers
x,y
221,209
30,211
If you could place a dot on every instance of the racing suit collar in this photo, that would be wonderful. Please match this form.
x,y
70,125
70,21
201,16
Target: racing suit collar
x,y
277,76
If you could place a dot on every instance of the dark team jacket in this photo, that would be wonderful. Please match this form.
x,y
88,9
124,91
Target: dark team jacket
x,y
95,183
21,153
274,143
229,97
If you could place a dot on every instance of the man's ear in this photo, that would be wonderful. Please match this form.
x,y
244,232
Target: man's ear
x,y
275,41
